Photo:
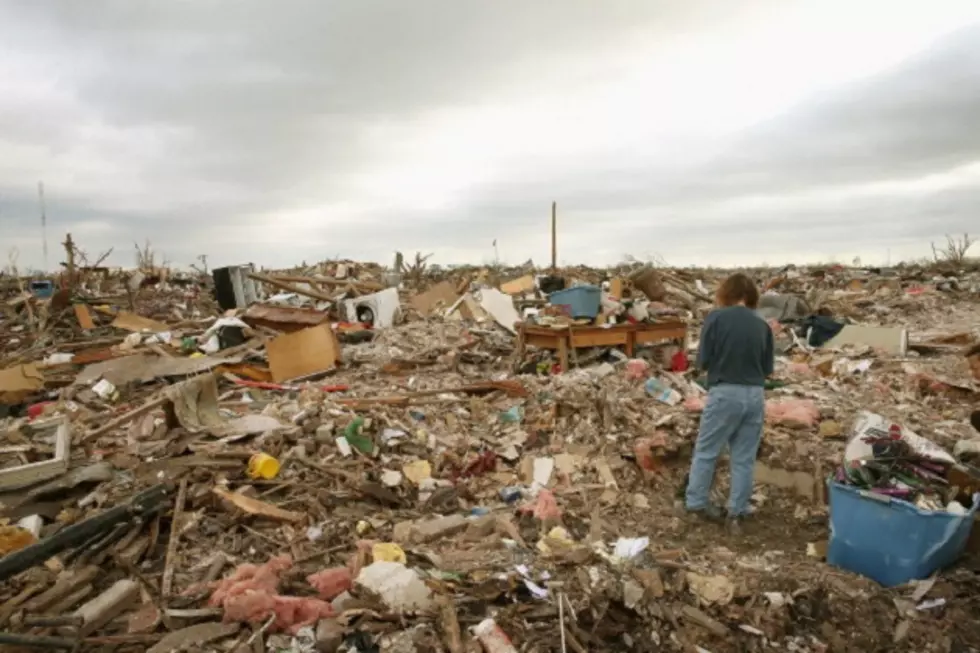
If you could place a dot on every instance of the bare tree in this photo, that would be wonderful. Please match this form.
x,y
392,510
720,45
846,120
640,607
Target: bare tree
x,y
11,268
955,250
416,270
145,257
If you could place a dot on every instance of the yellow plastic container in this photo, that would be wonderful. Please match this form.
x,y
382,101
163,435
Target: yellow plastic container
x,y
262,465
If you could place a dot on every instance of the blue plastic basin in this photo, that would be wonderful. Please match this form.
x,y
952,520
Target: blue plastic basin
x,y
889,540
582,301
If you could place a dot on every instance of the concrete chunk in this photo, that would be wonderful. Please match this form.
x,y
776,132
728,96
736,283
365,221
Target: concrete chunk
x,y
396,585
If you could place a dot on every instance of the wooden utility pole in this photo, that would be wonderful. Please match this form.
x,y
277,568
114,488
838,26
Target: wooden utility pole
x,y
44,224
554,236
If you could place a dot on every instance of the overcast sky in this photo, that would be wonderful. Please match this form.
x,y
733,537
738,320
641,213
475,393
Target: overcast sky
x,y
700,131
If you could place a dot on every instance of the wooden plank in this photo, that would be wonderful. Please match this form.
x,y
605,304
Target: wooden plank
x,y
126,418
364,286
599,338
138,323
176,524
84,317
259,508
22,476
544,342
563,354
288,287
651,333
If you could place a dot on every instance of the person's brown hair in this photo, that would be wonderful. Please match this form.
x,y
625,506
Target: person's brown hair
x,y
738,288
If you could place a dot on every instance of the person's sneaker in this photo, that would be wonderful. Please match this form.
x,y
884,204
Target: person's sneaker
x,y
710,513
734,524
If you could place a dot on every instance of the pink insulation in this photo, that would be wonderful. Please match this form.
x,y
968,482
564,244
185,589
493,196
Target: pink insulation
x,y
331,583
800,413
546,507
251,594
694,404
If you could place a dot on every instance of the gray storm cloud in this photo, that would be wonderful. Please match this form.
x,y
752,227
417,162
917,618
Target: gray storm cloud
x,y
207,127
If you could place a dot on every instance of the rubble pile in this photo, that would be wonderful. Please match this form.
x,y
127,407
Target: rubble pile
x,y
348,457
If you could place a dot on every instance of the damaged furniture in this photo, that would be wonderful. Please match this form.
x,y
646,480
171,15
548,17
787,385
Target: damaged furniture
x,y
567,340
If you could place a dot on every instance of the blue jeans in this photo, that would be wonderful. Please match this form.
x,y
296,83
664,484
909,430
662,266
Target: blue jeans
x,y
732,416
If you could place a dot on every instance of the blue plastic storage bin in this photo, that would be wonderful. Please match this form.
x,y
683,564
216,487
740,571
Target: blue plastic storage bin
x,y
42,289
582,301
890,540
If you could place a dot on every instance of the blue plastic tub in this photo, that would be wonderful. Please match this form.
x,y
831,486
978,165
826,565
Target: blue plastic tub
x,y
42,289
582,301
890,540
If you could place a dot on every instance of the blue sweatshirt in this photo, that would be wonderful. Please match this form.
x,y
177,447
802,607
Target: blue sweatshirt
x,y
736,347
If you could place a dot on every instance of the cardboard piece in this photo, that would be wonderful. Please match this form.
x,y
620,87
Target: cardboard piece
x,y
257,507
440,295
303,353
18,382
892,340
138,323
616,287
519,286
144,368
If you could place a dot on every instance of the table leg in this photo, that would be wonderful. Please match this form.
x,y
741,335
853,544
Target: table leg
x,y
563,354
630,343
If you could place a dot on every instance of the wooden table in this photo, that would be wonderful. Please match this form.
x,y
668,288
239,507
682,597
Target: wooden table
x,y
568,339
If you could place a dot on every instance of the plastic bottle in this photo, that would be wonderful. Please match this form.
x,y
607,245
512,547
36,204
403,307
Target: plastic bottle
x,y
355,438
494,640
662,392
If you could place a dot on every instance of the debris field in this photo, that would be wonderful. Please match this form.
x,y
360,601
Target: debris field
x,y
346,457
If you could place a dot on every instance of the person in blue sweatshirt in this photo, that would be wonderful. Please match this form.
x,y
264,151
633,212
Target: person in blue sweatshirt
x,y
736,350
